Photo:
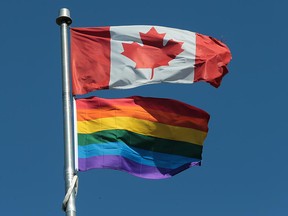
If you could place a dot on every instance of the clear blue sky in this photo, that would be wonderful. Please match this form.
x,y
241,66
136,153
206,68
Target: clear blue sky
x,y
245,163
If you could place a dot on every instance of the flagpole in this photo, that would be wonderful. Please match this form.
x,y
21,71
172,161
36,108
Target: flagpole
x,y
64,20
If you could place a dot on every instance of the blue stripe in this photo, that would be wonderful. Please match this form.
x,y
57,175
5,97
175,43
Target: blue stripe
x,y
140,156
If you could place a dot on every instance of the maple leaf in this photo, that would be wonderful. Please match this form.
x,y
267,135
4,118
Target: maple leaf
x,y
152,53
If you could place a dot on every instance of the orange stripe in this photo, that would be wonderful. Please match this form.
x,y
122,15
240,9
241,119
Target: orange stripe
x,y
144,114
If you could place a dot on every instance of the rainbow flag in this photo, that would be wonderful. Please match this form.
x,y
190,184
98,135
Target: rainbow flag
x,y
151,138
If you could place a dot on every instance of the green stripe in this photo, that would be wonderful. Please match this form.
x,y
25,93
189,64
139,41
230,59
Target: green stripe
x,y
142,142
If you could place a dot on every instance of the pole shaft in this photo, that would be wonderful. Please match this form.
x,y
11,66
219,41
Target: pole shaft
x,y
64,21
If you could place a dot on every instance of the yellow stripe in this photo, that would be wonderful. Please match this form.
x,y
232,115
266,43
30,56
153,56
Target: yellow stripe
x,y
143,127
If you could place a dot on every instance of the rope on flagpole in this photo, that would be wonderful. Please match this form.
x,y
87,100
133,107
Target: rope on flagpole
x,y
73,185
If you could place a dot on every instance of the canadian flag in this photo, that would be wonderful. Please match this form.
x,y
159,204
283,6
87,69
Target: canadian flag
x,y
123,57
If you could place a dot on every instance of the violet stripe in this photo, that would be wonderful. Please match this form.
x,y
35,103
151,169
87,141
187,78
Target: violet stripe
x,y
124,164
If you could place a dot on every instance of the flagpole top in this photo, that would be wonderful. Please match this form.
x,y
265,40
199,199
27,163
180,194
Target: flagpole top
x,y
64,17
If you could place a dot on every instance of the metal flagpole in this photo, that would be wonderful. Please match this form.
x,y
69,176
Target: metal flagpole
x,y
64,21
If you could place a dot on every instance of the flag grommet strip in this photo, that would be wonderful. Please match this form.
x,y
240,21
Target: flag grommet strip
x,y
74,185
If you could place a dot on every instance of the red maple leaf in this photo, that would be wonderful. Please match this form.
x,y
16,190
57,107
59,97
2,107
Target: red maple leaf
x,y
152,53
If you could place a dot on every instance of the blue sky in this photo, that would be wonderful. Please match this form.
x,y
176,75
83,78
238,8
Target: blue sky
x,y
244,170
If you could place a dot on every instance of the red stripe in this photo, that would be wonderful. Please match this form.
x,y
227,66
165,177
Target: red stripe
x,y
212,57
147,103
90,59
